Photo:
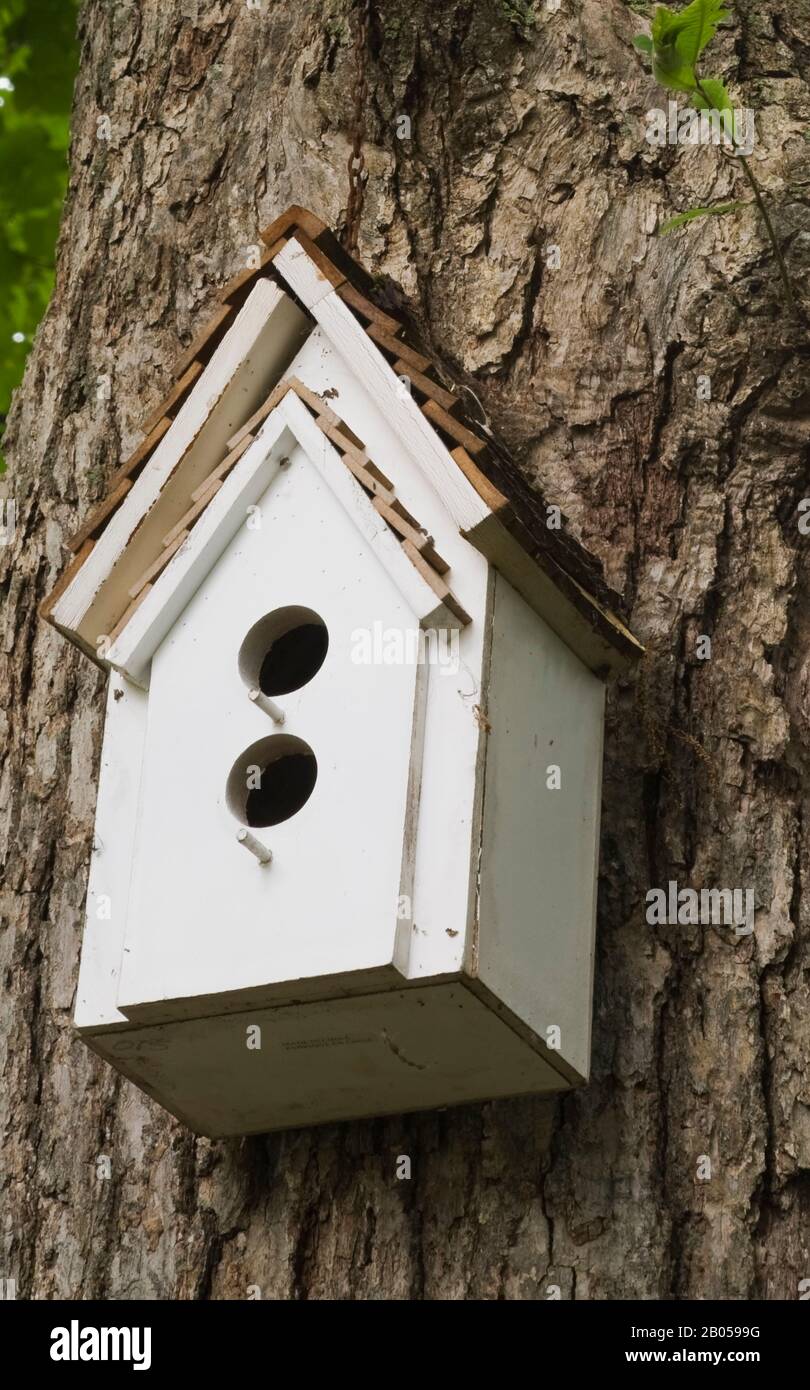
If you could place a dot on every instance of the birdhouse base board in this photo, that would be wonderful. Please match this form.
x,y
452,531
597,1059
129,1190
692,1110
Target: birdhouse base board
x,y
284,1068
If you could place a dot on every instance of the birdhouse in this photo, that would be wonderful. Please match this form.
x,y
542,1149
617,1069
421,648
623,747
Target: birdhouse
x,y
346,840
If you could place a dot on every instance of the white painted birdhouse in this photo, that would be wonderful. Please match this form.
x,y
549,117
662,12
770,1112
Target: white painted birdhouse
x,y
346,844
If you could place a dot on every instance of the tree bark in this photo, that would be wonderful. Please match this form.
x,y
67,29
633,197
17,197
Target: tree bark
x,y
523,137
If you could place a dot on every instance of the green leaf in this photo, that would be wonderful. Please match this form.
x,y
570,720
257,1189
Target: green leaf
x,y
679,39
701,26
682,218
670,71
690,29
718,97
643,43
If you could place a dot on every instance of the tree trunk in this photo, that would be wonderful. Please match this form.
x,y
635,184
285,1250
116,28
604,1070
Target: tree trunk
x,y
524,136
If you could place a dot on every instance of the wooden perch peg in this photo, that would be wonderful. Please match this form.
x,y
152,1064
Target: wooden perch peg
x,y
269,706
262,853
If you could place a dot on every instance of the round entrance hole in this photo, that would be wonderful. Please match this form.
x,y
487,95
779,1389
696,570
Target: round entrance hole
x,y
283,650
271,780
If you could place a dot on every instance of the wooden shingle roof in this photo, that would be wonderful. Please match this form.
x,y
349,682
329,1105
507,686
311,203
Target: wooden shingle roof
x,y
485,463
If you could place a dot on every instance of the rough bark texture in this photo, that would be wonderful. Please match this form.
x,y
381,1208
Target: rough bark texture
x,y
220,116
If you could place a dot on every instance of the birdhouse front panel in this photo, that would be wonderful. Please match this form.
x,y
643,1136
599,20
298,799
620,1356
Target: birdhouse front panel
x,y
348,812
283,612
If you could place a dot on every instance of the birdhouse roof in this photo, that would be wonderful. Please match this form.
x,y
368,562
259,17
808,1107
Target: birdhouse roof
x,y
495,508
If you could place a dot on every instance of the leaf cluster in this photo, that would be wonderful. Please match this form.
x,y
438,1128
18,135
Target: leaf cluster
x,y
677,41
38,62
678,38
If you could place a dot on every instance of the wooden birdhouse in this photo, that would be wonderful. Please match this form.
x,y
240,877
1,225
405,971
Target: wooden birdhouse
x,y
345,859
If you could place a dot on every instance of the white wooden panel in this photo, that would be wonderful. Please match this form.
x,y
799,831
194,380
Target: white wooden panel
x,y
188,567
434,942
267,332
378,376
378,1054
111,863
226,512
540,846
206,919
311,285
320,367
380,538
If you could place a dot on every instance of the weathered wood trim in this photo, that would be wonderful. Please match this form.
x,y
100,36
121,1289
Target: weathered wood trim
x,y
597,637
99,514
171,403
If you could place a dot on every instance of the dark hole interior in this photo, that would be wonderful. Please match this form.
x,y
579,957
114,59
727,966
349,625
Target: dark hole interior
x,y
286,785
293,659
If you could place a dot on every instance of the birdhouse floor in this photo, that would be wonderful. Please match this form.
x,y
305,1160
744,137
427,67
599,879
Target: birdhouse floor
x,y
410,1049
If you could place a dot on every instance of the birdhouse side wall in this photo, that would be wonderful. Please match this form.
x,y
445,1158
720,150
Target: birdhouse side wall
x,y
540,833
